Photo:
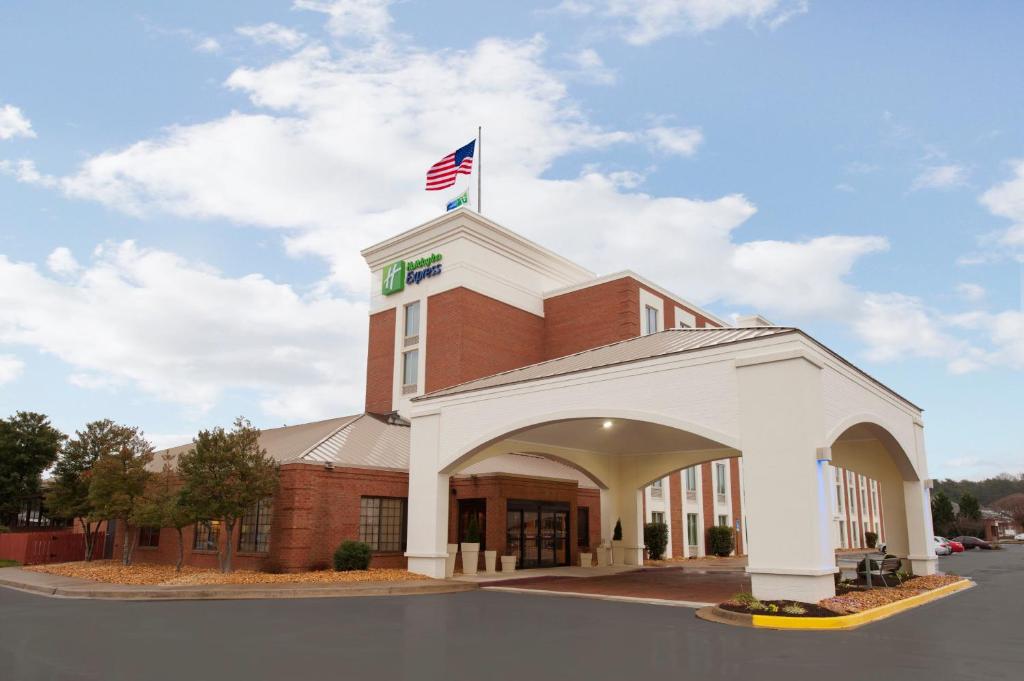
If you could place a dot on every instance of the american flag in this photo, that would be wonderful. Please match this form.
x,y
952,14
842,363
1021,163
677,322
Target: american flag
x,y
442,174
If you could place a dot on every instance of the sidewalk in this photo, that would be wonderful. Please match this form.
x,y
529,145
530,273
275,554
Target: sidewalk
x,y
68,587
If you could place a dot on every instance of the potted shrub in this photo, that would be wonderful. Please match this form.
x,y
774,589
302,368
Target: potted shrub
x,y
656,539
586,557
508,563
720,541
618,553
449,562
871,538
471,548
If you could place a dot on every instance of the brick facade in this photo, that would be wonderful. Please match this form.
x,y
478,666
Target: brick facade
x,y
380,362
676,513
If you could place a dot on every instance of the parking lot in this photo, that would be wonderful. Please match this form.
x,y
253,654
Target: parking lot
x,y
971,635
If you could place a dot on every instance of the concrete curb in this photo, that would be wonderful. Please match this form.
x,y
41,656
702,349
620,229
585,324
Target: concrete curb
x,y
101,591
599,597
840,623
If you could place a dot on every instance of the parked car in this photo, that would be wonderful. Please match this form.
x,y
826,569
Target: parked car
x,y
941,547
1020,537
973,543
954,546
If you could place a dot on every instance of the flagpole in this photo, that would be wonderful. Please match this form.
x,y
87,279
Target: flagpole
x,y
479,163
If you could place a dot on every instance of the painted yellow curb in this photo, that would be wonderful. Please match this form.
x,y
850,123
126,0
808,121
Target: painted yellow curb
x,y
859,618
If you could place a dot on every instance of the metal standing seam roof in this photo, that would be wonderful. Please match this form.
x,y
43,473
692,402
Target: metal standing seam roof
x,y
666,342
358,440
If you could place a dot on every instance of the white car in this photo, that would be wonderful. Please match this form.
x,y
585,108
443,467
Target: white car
x,y
1020,537
941,547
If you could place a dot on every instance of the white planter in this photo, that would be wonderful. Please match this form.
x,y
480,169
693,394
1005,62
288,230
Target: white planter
x,y
508,563
470,557
603,559
618,553
490,557
586,560
449,562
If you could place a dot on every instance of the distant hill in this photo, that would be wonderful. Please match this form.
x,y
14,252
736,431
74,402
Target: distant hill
x,y
986,491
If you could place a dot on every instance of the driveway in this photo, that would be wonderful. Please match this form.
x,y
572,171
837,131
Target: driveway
x,y
493,635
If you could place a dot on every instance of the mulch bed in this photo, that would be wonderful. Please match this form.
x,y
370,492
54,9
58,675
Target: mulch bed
x,y
812,609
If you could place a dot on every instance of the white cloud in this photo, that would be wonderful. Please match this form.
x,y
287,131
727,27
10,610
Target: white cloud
x,y
25,171
272,33
844,187
11,368
940,177
62,261
590,67
185,333
970,292
1007,200
366,19
676,141
646,21
13,123
208,45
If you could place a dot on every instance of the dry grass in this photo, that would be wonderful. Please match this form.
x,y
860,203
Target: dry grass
x,y
164,575
858,601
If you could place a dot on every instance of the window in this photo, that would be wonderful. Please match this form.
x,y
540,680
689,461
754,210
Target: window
x,y
149,537
254,536
723,520
854,536
842,534
839,498
691,529
691,479
412,320
720,477
657,517
657,491
863,498
410,368
207,535
382,523
582,527
650,319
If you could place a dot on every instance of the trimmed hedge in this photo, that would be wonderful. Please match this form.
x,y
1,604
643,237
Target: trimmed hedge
x,y
656,539
352,555
720,540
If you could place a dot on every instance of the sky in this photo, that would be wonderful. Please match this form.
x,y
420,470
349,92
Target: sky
x,y
185,188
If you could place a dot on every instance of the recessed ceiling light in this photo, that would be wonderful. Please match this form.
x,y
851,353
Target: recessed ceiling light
x,y
606,424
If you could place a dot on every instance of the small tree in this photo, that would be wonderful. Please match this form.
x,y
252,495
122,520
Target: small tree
x,y
1014,505
118,485
28,446
68,496
224,474
969,507
871,538
473,530
656,539
166,506
720,540
942,512
617,532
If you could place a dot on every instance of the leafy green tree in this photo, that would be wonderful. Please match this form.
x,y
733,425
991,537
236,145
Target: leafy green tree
x,y
165,505
942,512
68,494
224,474
28,446
970,507
118,484
656,539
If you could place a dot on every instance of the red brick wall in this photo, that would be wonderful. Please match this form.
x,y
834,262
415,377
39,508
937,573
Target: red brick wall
x,y
470,335
737,516
676,505
591,317
707,491
380,362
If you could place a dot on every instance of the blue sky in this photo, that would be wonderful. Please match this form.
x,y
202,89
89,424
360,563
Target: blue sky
x,y
185,188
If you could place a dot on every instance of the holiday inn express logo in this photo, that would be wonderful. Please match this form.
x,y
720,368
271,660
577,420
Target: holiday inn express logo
x,y
395,276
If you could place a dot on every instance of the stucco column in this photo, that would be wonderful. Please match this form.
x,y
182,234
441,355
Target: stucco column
x,y
785,478
918,503
427,530
630,511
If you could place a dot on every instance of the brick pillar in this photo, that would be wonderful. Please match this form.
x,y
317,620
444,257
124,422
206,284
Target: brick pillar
x,y
291,537
707,491
675,509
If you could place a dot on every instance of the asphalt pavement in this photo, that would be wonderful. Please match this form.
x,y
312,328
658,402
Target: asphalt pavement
x,y
974,634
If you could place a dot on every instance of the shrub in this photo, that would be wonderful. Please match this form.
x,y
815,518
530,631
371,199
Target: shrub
x,y
720,540
472,531
4,528
745,599
871,538
656,539
794,609
617,532
352,555
756,606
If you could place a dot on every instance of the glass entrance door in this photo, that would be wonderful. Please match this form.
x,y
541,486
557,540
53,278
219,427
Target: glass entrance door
x,y
539,533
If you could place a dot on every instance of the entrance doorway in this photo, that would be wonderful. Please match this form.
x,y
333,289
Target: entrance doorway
x,y
538,533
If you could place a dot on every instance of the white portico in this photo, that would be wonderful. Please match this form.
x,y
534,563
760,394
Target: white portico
x,y
634,411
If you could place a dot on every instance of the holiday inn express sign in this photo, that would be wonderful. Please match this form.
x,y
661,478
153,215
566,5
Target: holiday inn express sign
x,y
395,276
